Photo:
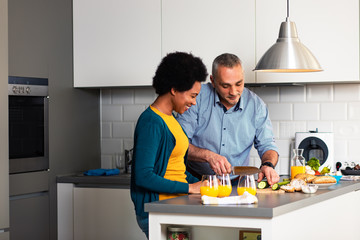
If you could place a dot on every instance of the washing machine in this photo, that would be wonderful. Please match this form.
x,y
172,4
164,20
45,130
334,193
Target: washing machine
x,y
317,144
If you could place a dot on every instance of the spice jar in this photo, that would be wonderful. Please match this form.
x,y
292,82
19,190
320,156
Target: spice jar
x,y
178,233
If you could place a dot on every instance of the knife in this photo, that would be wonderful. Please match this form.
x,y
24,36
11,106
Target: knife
x,y
244,170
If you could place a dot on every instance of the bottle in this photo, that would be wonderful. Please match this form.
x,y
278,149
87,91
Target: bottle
x,y
297,162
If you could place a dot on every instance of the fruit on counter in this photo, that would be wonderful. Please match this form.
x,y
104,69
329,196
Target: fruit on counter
x,y
314,163
263,184
317,173
325,170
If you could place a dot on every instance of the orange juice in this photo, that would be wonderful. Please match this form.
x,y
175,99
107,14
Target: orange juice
x,y
209,191
296,170
241,190
224,191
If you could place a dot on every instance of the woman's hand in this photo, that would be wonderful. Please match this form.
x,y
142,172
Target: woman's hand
x,y
194,187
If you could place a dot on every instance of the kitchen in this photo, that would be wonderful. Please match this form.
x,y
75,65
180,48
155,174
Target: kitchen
x,y
330,106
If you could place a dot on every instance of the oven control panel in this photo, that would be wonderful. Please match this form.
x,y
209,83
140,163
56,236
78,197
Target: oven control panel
x,y
25,86
27,90
21,89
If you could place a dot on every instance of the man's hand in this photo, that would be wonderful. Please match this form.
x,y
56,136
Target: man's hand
x,y
218,163
270,174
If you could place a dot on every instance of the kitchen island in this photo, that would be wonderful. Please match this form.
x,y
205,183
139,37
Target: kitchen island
x,y
330,213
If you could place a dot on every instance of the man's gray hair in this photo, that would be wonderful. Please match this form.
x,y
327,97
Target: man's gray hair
x,y
227,60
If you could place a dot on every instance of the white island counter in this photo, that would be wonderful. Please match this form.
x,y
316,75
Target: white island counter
x,y
331,213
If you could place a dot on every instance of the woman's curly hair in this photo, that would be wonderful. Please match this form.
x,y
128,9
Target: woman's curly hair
x,y
178,70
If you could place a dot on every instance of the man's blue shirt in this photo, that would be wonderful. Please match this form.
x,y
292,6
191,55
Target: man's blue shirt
x,y
230,133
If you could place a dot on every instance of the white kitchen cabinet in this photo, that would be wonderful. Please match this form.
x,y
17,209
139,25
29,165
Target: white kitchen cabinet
x,y
121,43
86,213
208,28
116,43
104,213
329,28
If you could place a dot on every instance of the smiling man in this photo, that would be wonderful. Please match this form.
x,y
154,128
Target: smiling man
x,y
227,120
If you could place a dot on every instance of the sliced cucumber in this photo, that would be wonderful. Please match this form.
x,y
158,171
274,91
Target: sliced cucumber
x,y
263,184
277,186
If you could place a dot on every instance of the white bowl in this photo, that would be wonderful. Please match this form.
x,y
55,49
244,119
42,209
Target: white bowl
x,y
309,188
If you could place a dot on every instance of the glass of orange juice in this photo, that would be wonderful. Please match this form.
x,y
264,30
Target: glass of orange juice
x,y
297,162
209,186
246,183
225,187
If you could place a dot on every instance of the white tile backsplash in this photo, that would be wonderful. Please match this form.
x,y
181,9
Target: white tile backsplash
x,y
328,107
280,111
354,111
340,150
111,146
106,96
267,94
123,130
289,128
106,130
306,111
322,126
122,96
353,147
333,111
292,94
145,96
111,113
319,93
347,92
347,130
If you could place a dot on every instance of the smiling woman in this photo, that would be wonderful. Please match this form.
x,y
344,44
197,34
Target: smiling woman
x,y
160,143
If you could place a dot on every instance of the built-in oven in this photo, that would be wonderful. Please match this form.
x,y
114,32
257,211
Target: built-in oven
x,y
28,124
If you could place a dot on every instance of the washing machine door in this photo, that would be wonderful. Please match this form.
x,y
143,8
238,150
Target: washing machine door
x,y
314,147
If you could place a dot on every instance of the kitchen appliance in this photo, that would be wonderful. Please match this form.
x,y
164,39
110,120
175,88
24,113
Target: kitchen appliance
x,y
317,144
28,158
28,124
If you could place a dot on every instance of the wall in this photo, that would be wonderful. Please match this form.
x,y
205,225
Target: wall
x,y
4,146
328,107
40,45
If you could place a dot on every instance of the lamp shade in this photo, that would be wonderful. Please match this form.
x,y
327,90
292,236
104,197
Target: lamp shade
x,y
288,54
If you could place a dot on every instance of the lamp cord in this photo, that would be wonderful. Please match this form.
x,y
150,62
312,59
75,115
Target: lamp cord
x,y
287,10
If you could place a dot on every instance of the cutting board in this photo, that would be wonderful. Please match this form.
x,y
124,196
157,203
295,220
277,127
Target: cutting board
x,y
269,191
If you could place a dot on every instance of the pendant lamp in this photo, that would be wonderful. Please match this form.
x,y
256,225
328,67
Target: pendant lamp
x,y
288,54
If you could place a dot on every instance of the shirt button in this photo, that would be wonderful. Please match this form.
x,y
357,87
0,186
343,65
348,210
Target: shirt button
x,y
223,144
224,128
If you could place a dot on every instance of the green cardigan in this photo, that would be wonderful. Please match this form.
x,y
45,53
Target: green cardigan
x,y
153,145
